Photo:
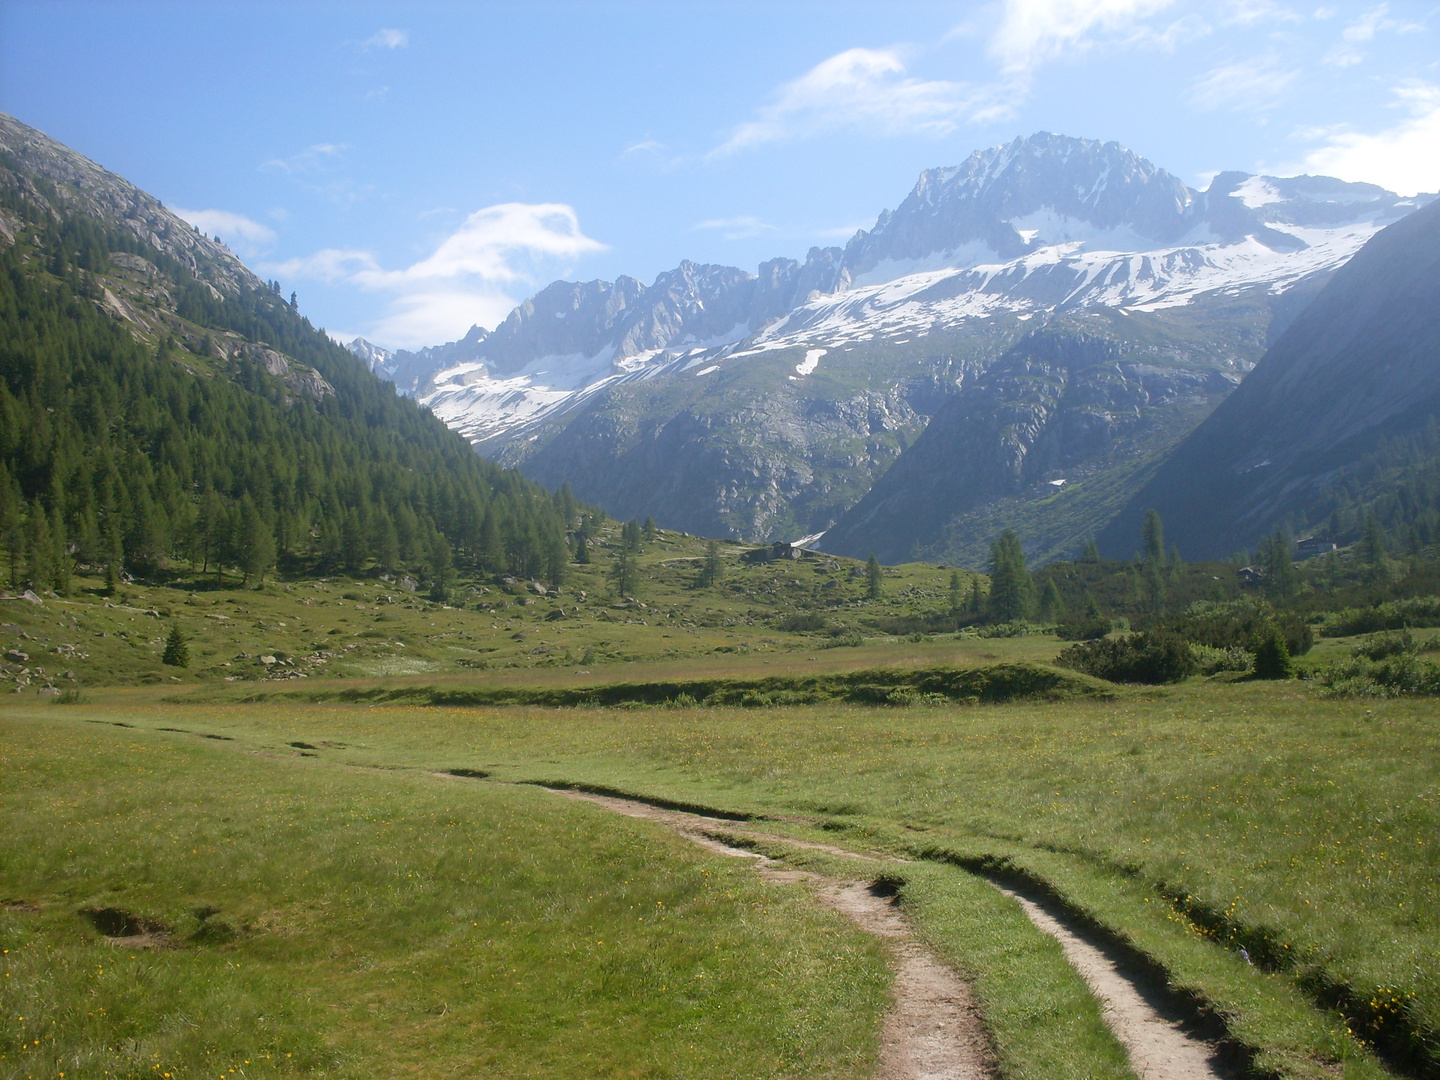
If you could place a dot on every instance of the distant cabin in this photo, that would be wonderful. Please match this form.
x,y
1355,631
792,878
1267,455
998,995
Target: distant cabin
x,y
1310,546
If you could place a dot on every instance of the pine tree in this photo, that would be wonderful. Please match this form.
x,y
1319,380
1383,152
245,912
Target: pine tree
x,y
874,578
957,592
649,529
1152,538
622,572
1052,605
177,649
1010,585
630,535
1091,553
439,567
711,568
1372,542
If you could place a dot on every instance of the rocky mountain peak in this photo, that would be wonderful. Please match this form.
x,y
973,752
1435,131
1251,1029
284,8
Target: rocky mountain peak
x,y
1028,193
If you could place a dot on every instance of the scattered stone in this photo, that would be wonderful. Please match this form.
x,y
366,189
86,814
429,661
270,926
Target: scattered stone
x,y
15,656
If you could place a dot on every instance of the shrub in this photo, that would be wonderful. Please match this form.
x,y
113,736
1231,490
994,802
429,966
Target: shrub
x,y
1150,657
802,622
1017,628
1401,675
1391,615
1245,622
1212,661
1386,643
1085,629
1272,657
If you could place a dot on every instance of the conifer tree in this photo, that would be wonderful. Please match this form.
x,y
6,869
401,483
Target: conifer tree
x,y
622,572
1152,538
711,568
177,649
874,578
1010,585
957,592
649,529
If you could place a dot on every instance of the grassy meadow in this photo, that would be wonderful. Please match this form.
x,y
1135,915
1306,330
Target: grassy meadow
x,y
319,850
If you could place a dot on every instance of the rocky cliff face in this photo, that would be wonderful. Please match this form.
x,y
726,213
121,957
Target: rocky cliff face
x,y
131,287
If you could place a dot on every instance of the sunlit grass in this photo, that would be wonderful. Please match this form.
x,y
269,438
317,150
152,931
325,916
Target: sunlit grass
x,y
354,923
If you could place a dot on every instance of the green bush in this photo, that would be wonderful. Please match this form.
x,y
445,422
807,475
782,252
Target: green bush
x,y
1385,644
1272,657
1150,657
1245,623
1401,675
1084,629
802,622
1212,661
1016,628
1392,615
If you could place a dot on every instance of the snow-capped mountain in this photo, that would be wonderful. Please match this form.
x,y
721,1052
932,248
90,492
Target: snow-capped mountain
x,y
1041,224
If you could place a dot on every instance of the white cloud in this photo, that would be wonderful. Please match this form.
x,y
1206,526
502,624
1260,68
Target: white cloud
x,y
328,265
312,159
1034,31
865,89
1259,83
469,277
735,228
387,39
224,224
1349,51
1404,158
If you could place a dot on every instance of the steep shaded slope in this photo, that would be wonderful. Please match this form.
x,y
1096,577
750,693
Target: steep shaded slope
x,y
158,402
1034,434
1339,415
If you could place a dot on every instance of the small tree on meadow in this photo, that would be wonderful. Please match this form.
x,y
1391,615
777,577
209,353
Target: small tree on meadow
x,y
711,568
177,649
874,577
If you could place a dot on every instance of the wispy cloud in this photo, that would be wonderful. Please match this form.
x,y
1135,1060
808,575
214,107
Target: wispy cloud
x,y
313,159
1256,84
1032,32
467,279
1350,50
1403,158
387,39
865,90
735,228
224,223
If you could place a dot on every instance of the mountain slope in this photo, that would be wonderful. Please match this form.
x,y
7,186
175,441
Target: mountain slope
x,y
160,403
767,405
1339,415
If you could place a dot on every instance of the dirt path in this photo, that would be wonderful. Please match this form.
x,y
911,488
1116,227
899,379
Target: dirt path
x,y
933,1030
1159,1049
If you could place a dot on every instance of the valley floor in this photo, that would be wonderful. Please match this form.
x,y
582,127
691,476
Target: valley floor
x,y
316,887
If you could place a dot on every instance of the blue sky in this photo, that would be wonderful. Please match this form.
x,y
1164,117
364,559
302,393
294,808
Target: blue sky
x,y
411,169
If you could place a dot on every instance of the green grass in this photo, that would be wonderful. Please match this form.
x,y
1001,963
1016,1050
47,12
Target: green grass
x,y
1182,823
359,923
1301,822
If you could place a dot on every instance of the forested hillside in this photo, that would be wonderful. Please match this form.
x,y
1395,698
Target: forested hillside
x,y
152,422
